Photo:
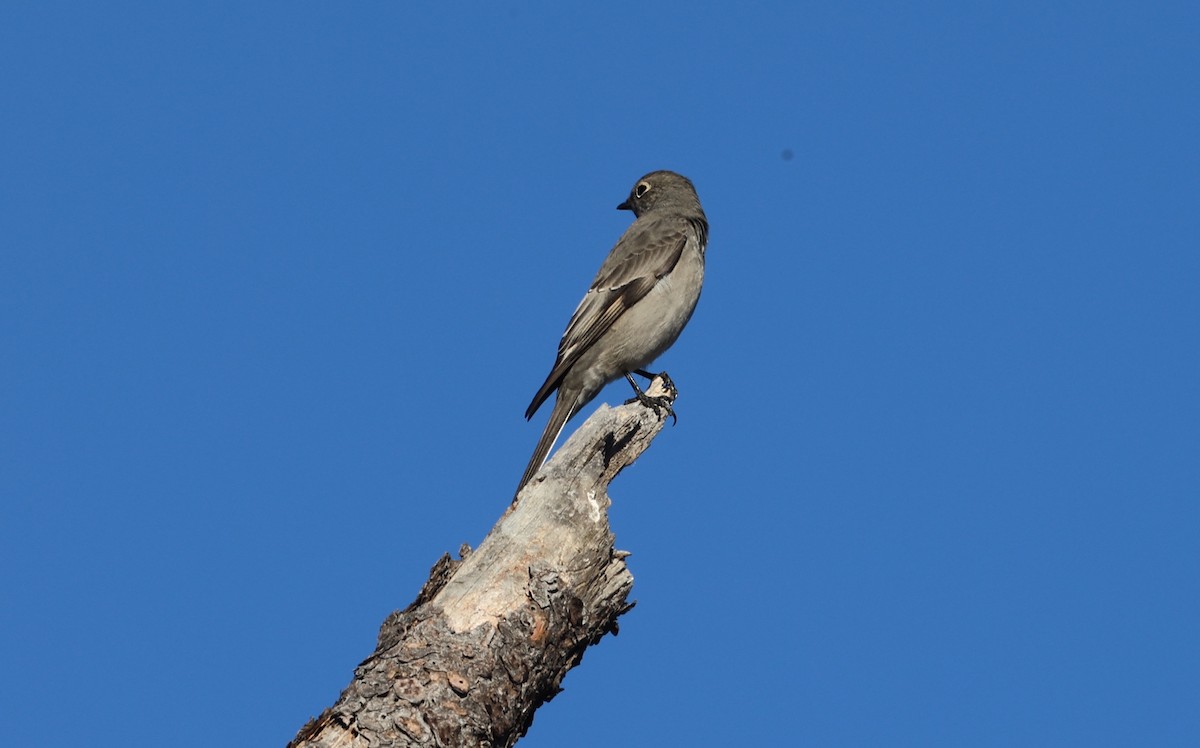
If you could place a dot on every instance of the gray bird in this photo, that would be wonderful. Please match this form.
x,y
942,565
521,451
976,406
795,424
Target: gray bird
x,y
636,307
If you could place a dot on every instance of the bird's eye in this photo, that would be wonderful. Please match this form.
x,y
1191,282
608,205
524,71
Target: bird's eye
x,y
641,189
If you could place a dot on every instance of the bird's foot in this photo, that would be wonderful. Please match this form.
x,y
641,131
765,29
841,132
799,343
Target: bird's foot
x,y
658,403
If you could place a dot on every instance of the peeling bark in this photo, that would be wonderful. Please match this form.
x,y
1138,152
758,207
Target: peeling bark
x,y
491,636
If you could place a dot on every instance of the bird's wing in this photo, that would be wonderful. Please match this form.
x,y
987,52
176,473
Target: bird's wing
x,y
646,253
637,263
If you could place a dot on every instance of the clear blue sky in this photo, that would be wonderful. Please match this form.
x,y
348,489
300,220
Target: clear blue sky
x,y
279,279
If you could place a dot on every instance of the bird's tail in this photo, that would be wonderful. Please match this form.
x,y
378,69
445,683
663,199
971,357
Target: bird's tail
x,y
564,408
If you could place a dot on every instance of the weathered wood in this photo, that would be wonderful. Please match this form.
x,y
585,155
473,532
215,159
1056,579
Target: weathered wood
x,y
491,636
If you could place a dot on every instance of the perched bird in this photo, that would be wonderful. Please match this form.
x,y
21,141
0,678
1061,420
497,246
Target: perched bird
x,y
636,307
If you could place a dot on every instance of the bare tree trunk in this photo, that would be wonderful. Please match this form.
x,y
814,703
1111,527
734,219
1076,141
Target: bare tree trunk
x,y
491,636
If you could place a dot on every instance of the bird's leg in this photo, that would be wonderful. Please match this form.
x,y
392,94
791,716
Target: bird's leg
x,y
667,381
657,403
642,396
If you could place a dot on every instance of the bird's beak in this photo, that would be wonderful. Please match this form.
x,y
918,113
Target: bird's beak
x,y
625,206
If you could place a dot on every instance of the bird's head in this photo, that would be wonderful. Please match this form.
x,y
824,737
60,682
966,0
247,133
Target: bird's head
x,y
658,189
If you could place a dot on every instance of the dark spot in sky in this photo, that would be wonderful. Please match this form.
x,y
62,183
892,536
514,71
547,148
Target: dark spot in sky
x,y
787,154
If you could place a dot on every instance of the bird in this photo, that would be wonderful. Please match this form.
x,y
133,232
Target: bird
x,y
640,300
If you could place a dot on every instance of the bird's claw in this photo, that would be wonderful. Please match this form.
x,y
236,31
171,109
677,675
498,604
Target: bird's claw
x,y
657,404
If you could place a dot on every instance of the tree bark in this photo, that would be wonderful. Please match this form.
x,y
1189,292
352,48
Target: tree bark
x,y
491,636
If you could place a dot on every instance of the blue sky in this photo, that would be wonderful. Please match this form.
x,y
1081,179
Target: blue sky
x,y
279,279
